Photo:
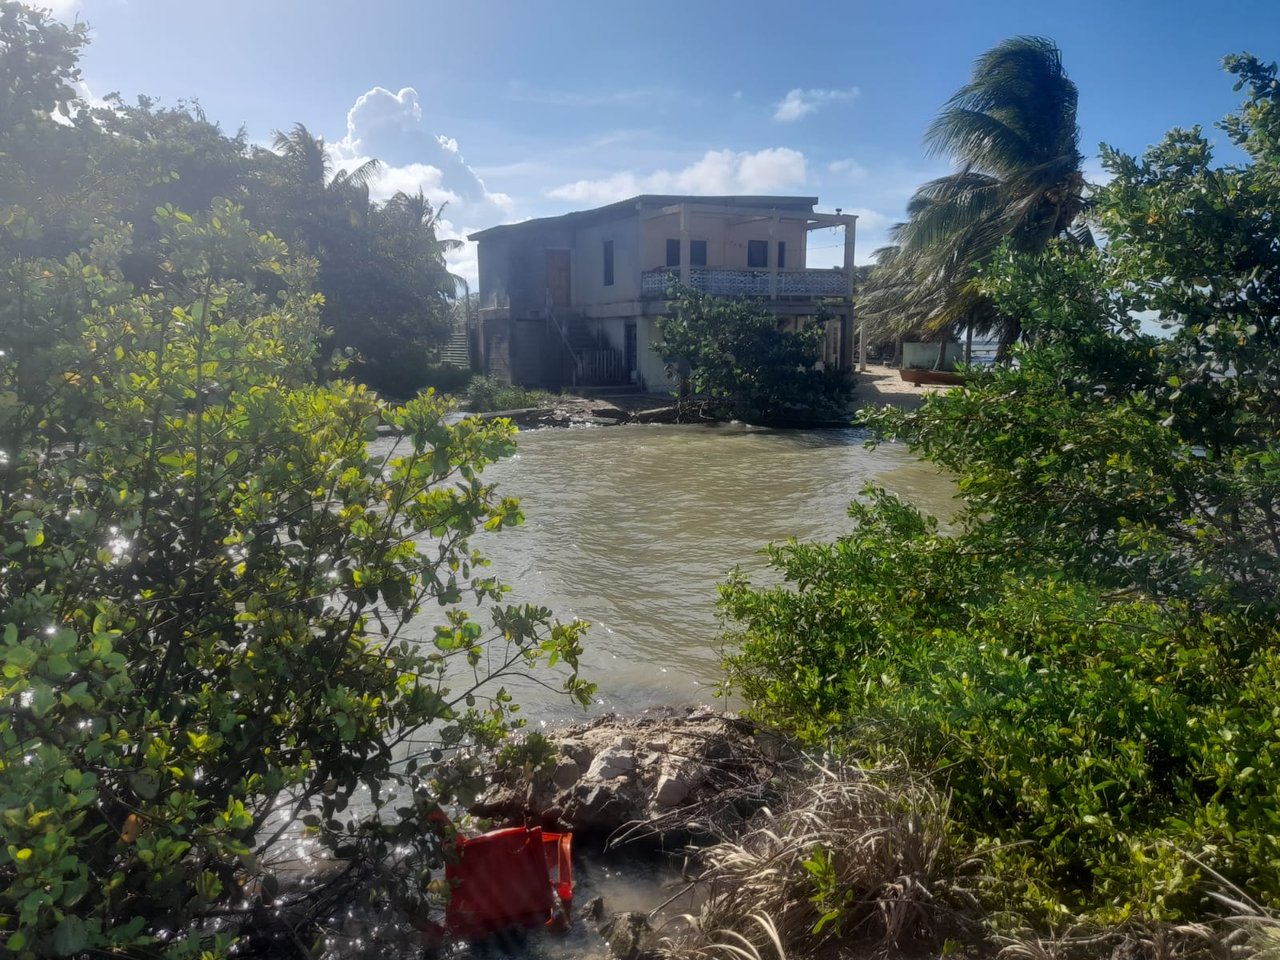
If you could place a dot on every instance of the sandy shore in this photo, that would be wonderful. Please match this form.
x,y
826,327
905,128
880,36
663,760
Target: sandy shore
x,y
878,386
881,385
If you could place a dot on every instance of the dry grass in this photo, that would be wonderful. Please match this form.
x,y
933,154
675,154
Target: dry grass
x,y
892,880
898,886
1246,931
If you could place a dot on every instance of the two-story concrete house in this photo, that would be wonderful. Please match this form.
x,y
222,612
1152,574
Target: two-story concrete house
x,y
570,301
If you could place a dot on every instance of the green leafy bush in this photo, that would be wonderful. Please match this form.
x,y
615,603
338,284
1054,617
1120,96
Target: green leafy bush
x,y
447,378
1088,660
1106,733
485,393
734,352
206,576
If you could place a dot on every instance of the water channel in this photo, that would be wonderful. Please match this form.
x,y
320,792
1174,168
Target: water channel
x,y
632,527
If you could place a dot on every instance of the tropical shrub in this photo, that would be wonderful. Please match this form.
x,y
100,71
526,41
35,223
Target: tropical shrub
x,y
388,293
485,393
733,352
1088,659
207,577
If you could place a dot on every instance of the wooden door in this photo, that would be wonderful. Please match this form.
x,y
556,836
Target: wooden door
x,y
559,291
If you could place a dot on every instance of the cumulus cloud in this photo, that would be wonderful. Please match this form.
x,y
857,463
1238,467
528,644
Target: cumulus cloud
x,y
717,172
391,127
800,103
394,128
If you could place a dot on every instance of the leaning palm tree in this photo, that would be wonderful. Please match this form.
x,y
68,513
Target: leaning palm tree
x,y
1012,133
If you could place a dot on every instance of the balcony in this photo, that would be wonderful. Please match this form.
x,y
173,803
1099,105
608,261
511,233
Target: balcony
x,y
729,282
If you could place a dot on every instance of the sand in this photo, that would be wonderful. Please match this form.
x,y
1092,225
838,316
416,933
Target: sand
x,y
882,385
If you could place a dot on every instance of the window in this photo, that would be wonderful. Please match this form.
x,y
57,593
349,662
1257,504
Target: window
x,y
673,253
697,253
758,254
608,263
782,254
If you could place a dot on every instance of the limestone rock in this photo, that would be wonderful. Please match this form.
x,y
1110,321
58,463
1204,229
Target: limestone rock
x,y
566,774
617,761
578,751
629,936
600,807
675,785
612,774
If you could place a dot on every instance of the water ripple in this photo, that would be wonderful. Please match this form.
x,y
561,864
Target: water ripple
x,y
632,528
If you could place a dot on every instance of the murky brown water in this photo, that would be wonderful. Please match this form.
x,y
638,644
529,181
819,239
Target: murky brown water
x,y
631,528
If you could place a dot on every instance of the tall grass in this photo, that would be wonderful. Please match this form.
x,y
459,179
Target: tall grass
x,y
861,863
855,857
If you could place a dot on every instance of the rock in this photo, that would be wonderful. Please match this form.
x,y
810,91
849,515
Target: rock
x,y
629,936
617,761
552,818
671,791
612,774
578,751
566,774
599,808
593,910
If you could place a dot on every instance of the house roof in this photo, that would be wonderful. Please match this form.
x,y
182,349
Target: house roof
x,y
648,201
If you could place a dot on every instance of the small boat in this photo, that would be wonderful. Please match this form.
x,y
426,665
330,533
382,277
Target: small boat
x,y
919,375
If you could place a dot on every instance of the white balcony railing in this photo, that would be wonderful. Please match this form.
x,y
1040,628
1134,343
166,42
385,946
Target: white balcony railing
x,y
728,282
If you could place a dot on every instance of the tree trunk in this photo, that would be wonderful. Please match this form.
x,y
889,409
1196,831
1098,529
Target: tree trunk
x,y
1010,331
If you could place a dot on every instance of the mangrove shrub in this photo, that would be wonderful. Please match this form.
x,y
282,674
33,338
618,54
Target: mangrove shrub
x,y
1089,657
206,577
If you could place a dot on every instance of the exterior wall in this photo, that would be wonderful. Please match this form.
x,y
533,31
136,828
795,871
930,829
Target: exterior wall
x,y
726,241
517,267
493,257
588,263
925,355
790,232
649,366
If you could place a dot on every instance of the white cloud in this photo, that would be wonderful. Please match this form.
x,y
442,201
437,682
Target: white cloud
x,y
395,128
62,9
717,172
849,168
392,127
411,178
379,111
770,169
800,103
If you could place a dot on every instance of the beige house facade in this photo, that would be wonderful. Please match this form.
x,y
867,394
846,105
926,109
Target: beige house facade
x,y
572,301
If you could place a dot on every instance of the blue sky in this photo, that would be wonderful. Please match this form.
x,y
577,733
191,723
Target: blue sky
x,y
509,110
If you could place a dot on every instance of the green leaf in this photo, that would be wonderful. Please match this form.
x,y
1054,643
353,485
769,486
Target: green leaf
x,y
70,937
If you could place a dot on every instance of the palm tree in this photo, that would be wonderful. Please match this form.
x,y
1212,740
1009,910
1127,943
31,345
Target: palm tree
x,y
410,225
318,199
1013,136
